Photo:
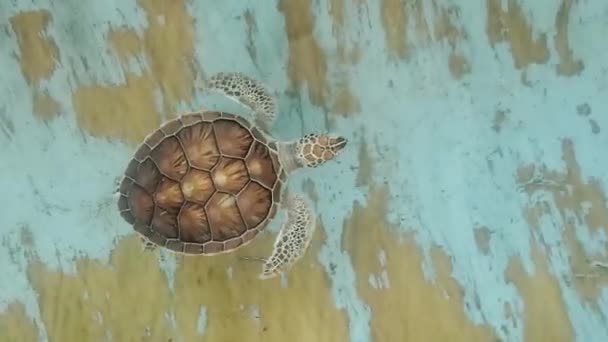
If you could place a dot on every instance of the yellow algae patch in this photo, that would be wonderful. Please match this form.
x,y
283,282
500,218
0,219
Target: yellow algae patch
x,y
38,53
421,25
588,279
338,14
482,239
124,111
16,326
344,102
130,299
545,315
596,216
567,65
307,64
168,44
458,65
38,58
448,31
572,195
445,29
129,110
394,22
395,17
304,311
125,43
45,107
127,300
405,307
251,26
346,55
512,26
364,173
352,56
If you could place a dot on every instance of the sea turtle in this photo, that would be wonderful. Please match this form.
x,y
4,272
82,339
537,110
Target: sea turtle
x,y
208,182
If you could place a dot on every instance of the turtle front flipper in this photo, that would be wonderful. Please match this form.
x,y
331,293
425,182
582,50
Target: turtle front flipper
x,y
293,239
248,92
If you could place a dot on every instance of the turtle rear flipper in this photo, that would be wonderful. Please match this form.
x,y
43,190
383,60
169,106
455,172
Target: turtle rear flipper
x,y
293,239
248,92
147,245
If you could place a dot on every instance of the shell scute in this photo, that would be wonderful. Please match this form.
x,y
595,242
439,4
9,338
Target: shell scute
x,y
260,165
170,158
191,119
175,245
233,243
128,216
230,175
123,203
142,152
200,146
211,116
169,195
148,176
125,185
154,139
212,247
255,202
193,224
197,186
143,229
171,127
224,217
233,139
156,237
141,204
164,222
193,248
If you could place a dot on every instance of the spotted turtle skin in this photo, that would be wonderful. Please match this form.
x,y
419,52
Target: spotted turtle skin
x,y
203,183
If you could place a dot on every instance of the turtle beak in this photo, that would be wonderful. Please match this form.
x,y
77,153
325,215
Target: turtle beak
x,y
337,144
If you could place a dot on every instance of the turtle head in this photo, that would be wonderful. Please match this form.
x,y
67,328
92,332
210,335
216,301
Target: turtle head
x,y
316,149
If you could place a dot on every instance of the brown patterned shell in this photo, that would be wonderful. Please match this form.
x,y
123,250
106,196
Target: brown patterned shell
x,y
203,183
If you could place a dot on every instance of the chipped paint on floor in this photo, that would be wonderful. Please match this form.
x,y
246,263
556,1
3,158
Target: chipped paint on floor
x,y
471,190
